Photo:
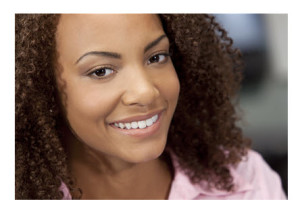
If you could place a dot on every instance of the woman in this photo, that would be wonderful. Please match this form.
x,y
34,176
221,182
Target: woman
x,y
95,110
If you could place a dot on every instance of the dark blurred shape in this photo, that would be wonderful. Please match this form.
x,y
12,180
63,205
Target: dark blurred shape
x,y
248,33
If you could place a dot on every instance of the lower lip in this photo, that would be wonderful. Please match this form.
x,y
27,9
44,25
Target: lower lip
x,y
141,133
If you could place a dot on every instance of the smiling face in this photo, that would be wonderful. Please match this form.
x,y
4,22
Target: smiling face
x,y
118,75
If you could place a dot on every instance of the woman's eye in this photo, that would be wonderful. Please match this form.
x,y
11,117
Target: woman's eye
x,y
158,58
102,72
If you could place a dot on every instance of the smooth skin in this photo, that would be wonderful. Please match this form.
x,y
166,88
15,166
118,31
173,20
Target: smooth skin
x,y
114,67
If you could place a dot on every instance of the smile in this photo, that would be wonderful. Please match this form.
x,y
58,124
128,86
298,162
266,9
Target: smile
x,y
138,124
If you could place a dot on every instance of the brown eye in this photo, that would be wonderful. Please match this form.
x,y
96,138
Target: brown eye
x,y
154,59
158,58
102,72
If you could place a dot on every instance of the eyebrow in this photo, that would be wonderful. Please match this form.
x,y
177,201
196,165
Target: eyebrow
x,y
154,43
105,54
117,55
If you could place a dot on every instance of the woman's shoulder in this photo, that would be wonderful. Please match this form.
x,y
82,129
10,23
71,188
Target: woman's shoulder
x,y
264,182
66,193
252,177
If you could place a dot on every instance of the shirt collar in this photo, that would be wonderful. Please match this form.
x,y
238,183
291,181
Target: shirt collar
x,y
183,188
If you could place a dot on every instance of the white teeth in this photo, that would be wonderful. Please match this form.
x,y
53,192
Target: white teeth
x,y
134,125
142,124
149,122
128,126
138,124
154,118
121,125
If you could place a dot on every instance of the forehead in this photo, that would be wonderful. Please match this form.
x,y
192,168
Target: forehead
x,y
109,21
107,30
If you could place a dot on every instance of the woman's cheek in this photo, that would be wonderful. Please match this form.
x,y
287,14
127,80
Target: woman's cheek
x,y
171,87
92,102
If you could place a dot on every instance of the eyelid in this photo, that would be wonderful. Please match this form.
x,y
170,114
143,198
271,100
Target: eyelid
x,y
163,52
91,71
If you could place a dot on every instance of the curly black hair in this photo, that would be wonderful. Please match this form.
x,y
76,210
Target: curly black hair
x,y
209,71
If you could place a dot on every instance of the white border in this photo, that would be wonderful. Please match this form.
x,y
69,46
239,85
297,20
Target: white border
x,y
7,103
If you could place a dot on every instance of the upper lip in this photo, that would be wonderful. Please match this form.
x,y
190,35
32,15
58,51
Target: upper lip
x,y
138,117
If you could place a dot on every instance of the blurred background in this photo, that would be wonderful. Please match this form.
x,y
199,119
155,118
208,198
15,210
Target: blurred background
x,y
262,39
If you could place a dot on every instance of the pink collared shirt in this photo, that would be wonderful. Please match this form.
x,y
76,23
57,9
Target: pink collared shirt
x,y
253,179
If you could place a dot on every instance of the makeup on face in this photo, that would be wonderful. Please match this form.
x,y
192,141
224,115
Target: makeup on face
x,y
121,86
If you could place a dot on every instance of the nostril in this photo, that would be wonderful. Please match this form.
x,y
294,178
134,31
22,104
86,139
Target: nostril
x,y
141,96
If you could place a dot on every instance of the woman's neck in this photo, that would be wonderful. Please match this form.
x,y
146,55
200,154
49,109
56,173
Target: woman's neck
x,y
105,177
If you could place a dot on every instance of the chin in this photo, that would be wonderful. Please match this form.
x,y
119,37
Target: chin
x,y
145,154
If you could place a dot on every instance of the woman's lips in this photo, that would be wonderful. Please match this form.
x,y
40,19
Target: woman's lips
x,y
145,132
138,118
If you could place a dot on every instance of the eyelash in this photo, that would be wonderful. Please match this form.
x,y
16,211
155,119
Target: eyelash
x,y
93,72
166,55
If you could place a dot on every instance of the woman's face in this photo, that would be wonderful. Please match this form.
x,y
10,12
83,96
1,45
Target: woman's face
x,y
120,84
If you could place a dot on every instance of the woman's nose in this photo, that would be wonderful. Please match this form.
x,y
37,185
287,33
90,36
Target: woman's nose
x,y
140,90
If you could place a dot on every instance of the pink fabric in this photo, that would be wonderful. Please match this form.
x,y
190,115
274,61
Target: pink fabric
x,y
253,179
65,190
